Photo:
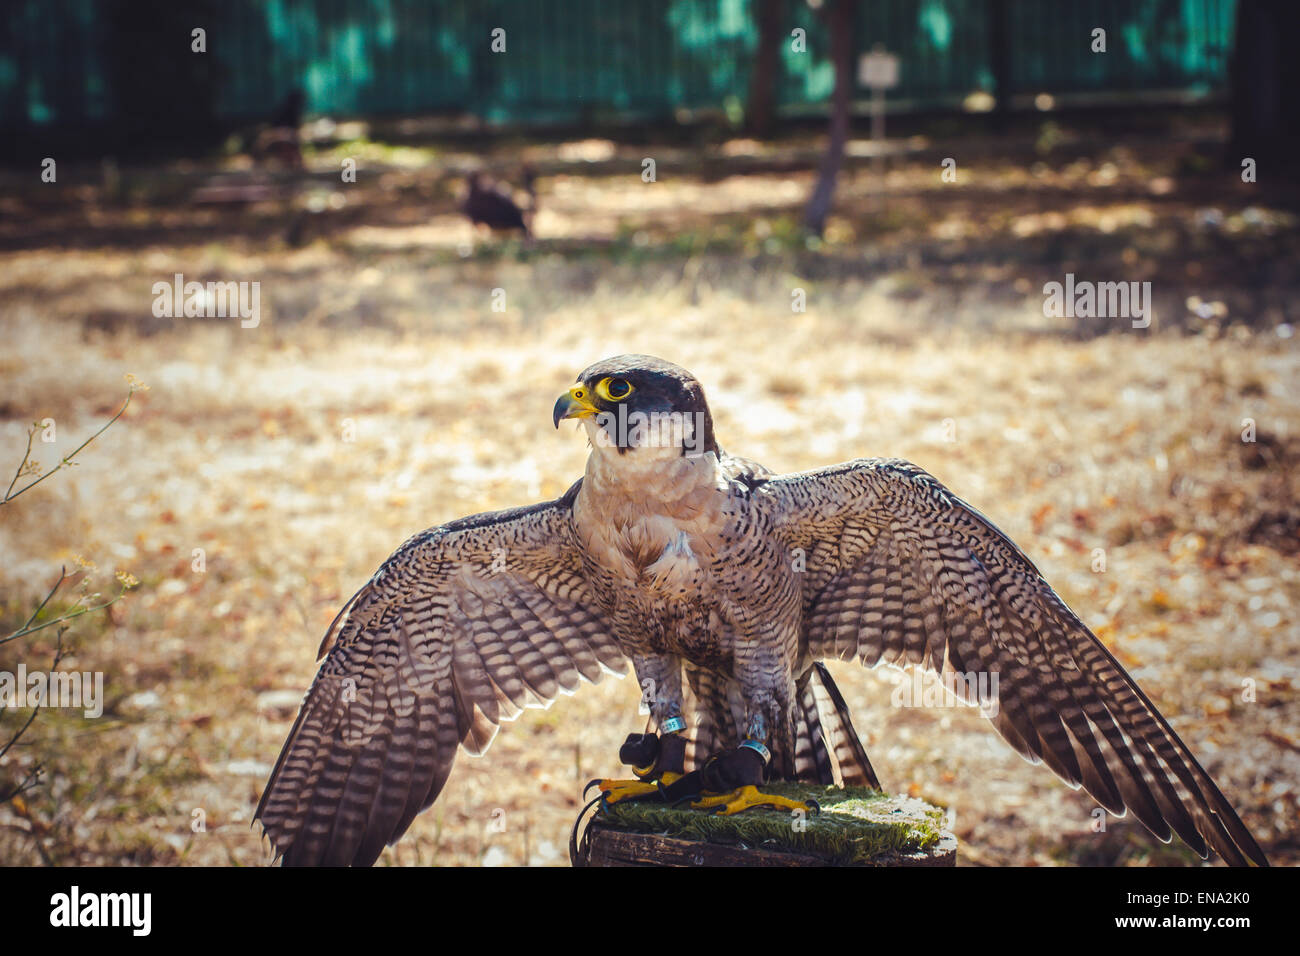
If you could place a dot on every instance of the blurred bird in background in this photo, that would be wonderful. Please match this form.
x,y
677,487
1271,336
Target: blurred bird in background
x,y
489,206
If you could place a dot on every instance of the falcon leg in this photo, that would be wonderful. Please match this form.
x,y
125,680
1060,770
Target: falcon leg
x,y
655,759
729,781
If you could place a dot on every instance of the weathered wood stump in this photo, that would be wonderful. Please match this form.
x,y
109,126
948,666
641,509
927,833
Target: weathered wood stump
x,y
856,827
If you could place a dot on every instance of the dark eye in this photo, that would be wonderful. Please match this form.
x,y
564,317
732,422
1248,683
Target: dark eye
x,y
613,389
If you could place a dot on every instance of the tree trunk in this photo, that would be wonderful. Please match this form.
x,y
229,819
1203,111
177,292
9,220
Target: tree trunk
x,y
1000,55
1265,73
841,31
767,58
155,115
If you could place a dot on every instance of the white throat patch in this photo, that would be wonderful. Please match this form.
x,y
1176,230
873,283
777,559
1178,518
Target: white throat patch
x,y
679,432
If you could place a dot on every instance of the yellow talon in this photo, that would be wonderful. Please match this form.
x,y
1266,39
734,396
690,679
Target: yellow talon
x,y
616,790
747,797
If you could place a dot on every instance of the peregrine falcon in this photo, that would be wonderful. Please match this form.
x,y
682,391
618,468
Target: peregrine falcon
x,y
725,586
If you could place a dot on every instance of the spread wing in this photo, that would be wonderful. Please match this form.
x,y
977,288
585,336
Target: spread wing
x,y
901,571
465,625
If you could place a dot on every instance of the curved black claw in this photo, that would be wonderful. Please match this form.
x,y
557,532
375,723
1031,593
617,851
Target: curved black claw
x,y
815,807
577,854
591,783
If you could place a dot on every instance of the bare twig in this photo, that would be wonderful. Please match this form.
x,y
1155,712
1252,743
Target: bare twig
x,y
14,739
63,576
59,653
28,628
10,494
30,782
12,794
27,456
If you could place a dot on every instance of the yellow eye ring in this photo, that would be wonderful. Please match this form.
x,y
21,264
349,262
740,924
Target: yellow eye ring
x,y
613,389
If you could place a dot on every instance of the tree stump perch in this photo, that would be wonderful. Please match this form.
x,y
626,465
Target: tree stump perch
x,y
856,827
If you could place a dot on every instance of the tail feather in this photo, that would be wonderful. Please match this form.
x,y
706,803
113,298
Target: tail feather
x,y
854,767
812,760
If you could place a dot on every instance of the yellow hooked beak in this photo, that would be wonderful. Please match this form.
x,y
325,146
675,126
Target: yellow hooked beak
x,y
575,403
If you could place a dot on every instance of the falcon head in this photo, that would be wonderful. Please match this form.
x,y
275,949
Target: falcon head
x,y
638,402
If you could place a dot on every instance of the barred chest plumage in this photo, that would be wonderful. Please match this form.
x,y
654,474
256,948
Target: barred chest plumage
x,y
653,529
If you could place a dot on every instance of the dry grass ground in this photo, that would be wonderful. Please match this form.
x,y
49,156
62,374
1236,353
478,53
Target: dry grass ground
x,y
381,394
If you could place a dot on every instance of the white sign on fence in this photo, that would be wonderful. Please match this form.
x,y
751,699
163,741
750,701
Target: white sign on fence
x,y
878,69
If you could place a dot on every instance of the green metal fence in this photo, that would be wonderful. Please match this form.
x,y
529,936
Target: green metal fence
x,y
66,62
